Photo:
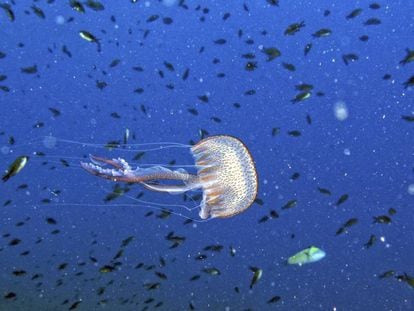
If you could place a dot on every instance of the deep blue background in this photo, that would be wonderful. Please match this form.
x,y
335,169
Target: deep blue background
x,y
376,174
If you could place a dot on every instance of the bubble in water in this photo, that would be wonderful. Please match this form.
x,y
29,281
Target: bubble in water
x,y
341,111
5,150
169,2
347,152
411,189
60,20
49,142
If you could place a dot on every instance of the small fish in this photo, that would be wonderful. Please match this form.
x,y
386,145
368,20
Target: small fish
x,y
54,111
294,28
324,32
249,56
201,257
167,20
107,269
51,221
274,214
374,6
383,219
392,211
387,274
409,57
15,242
77,6
257,275
10,295
75,305
9,12
354,13
250,66
220,41
295,176
274,299
347,58
342,199
371,241
290,204
186,74
301,97
203,98
273,2
169,66
115,63
406,278
349,223
271,53
152,18
29,69
307,48
294,133
289,67
15,167
95,5
409,82
212,271
275,131
308,255
372,21
213,248
38,11
86,35
263,219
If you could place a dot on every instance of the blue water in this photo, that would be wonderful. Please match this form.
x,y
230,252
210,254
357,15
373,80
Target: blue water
x,y
367,155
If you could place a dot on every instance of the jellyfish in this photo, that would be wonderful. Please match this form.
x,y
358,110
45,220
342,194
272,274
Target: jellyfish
x,y
226,175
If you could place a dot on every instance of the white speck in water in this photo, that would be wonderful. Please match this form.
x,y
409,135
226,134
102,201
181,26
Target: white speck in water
x,y
347,152
411,189
341,111
5,150
60,20
49,141
169,2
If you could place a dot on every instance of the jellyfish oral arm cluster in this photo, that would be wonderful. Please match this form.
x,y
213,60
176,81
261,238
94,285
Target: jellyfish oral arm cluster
x,y
121,171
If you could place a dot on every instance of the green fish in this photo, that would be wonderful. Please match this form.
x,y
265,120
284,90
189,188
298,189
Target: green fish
x,y
257,275
86,35
15,167
308,255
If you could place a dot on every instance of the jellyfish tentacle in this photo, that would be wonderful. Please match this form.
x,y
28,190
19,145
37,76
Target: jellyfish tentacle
x,y
122,172
191,184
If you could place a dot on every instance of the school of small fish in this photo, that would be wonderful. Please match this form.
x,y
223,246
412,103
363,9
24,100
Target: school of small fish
x,y
154,277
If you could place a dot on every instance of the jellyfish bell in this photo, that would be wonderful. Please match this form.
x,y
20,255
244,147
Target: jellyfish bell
x,y
226,174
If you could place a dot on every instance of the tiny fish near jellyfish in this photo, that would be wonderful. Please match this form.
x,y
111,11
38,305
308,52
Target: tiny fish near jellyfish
x,y
226,174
